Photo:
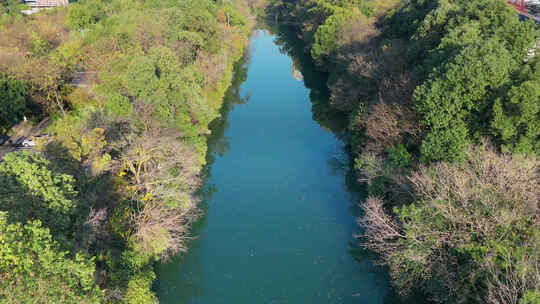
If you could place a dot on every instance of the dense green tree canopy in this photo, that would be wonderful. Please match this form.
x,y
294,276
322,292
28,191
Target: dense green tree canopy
x,y
326,41
12,100
34,270
174,92
457,95
30,188
516,114
468,53
195,23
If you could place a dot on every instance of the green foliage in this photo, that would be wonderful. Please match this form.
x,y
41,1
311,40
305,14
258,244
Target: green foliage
x,y
10,7
120,222
174,92
455,98
138,291
516,115
438,29
531,297
67,55
118,106
40,46
194,22
31,188
142,78
87,146
33,267
326,40
79,16
462,85
12,100
399,156
469,51
133,270
232,16
445,143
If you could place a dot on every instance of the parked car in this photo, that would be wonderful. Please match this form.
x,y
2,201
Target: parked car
x,y
28,143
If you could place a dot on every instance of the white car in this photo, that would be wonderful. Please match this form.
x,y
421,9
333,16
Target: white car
x,y
28,143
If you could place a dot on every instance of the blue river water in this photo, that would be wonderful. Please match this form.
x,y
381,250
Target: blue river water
x,y
279,213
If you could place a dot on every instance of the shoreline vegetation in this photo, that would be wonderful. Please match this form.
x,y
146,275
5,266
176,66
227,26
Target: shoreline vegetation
x,y
442,100
110,186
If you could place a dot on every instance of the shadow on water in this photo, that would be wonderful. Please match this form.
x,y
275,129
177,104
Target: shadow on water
x,y
218,145
316,81
217,142
327,116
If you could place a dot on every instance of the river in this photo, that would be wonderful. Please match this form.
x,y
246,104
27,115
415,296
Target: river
x,y
279,211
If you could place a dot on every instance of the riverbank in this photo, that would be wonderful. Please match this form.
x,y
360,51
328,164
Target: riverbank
x,y
127,143
429,89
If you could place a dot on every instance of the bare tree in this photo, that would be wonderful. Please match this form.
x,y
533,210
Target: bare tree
x,y
164,175
509,284
486,207
381,230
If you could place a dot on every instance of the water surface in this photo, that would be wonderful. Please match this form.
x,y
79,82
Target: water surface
x,y
279,213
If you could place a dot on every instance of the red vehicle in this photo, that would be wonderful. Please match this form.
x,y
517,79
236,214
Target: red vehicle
x,y
528,9
520,5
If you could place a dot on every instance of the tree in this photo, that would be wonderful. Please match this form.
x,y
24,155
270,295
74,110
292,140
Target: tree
x,y
79,16
164,175
12,100
516,115
471,234
194,22
30,188
10,7
326,40
34,270
175,93
119,106
453,100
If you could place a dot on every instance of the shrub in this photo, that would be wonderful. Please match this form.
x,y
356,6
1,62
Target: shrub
x,y
138,290
79,16
40,46
118,106
399,156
